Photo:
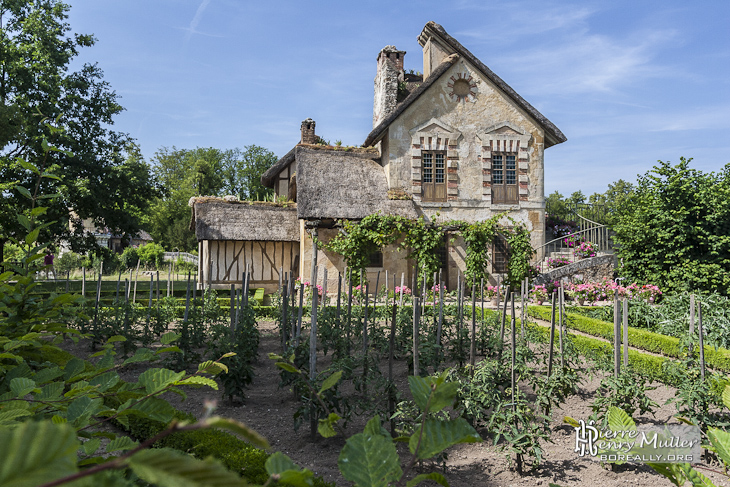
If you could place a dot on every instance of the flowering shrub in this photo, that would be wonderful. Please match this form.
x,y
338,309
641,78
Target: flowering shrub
x,y
606,290
559,227
556,262
539,293
307,285
584,250
490,291
406,290
574,240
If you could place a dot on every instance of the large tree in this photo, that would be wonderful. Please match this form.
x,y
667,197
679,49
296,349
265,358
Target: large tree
x,y
673,229
103,176
185,173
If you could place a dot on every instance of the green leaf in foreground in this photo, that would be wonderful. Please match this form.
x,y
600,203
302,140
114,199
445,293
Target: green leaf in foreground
x,y
281,467
440,435
326,425
37,452
330,381
435,476
369,461
170,468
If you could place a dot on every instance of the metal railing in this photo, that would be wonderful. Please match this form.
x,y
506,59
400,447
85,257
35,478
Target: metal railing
x,y
174,256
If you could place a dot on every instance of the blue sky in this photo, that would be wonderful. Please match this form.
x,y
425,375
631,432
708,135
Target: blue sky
x,y
628,82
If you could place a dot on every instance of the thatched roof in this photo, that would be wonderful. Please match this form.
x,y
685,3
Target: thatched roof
x,y
343,184
215,219
268,179
553,135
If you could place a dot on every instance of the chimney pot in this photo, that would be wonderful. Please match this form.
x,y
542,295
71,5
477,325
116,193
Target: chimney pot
x,y
308,136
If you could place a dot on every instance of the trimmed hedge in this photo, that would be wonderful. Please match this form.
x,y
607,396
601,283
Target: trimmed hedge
x,y
646,340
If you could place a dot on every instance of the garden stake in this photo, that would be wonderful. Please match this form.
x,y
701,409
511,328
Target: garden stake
x,y
702,342
473,345
116,296
504,318
169,276
324,286
68,274
313,275
158,289
365,343
125,345
375,295
459,323
116,300
349,311
433,302
187,298
616,338
386,287
281,270
391,347
560,325
246,282
83,282
415,336
149,307
285,313
425,283
514,351
402,277
136,278
552,339
522,309
299,316
626,331
313,361
691,319
441,321
233,310
96,310
481,296
339,298
195,288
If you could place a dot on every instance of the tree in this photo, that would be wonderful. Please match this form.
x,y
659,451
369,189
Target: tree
x,y
185,173
243,170
102,175
674,229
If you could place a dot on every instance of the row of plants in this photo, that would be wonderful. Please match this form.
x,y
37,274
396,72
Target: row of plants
x,y
592,292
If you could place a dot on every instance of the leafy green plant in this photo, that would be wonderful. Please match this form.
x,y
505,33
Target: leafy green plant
x,y
626,392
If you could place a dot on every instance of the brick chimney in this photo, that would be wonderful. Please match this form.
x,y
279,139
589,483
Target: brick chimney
x,y
389,74
308,136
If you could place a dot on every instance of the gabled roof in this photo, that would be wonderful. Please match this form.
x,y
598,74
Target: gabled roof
x,y
553,135
268,178
344,184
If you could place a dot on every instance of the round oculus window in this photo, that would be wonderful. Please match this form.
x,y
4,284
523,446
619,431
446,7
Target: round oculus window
x,y
461,87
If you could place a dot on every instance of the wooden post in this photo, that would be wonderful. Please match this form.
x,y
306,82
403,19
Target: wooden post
x,y
473,345
616,338
324,286
299,315
691,319
96,310
281,270
375,294
702,341
365,323
391,348
127,343
315,251
313,359
285,312
233,310
119,280
83,282
149,305
560,326
195,290
441,320
339,298
169,277
522,309
187,299
402,278
136,278
481,296
504,318
415,336
514,353
626,332
349,311
158,288
552,338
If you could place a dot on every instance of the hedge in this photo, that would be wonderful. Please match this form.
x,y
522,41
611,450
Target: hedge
x,y
646,340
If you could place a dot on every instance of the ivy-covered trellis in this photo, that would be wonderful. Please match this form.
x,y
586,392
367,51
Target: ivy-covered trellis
x,y
422,239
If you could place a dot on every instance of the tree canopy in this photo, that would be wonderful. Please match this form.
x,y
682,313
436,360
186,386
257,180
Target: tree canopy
x,y
102,173
184,173
673,229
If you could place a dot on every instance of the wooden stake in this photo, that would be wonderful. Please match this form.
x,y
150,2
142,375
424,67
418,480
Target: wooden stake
x,y
169,277
324,286
402,278
391,348
83,282
313,359
441,321
552,338
187,299
473,345
702,342
514,352
626,331
136,278
299,315
415,336
616,338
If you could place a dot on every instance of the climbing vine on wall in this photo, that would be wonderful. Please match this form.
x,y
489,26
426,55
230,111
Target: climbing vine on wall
x,y
422,240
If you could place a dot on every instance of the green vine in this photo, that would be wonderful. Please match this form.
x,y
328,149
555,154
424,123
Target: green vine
x,y
421,240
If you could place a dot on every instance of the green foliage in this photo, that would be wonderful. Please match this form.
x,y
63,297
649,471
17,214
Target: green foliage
x,y
626,392
672,230
68,262
371,459
151,255
422,240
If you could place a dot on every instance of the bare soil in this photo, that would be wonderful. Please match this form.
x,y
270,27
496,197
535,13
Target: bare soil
x,y
269,410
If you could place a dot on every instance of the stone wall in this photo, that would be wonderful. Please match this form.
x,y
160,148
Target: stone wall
x,y
586,270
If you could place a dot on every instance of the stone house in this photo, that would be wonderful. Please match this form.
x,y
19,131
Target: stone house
x,y
456,142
